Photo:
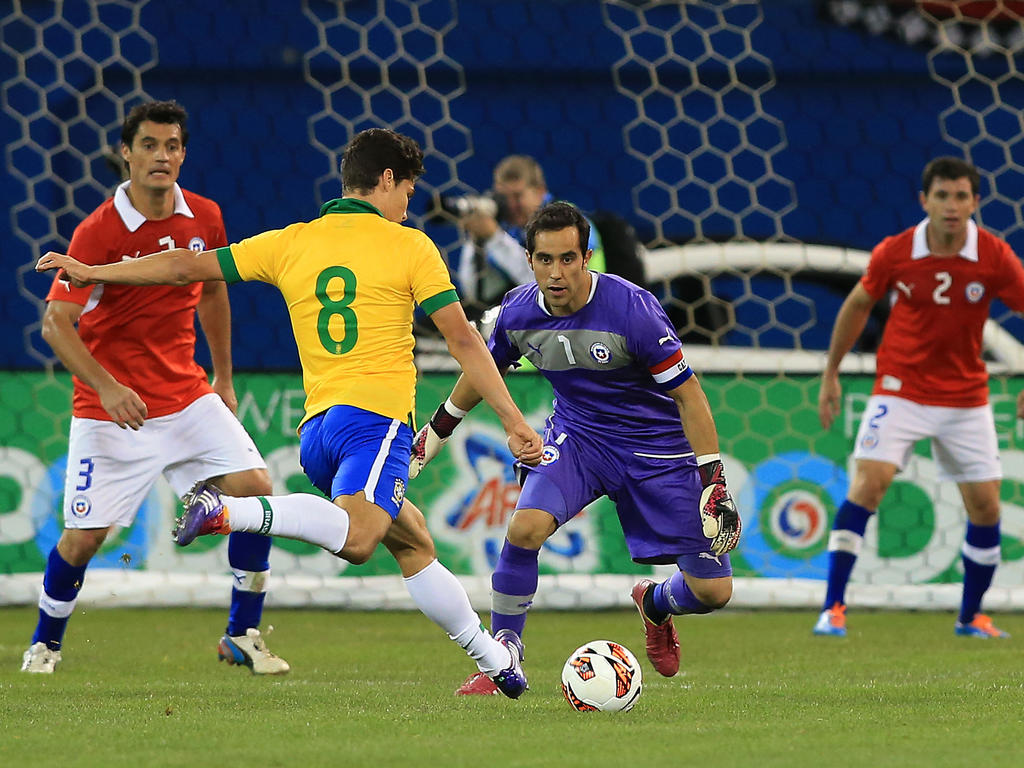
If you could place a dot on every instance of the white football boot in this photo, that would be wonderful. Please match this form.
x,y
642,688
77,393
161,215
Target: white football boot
x,y
251,650
40,659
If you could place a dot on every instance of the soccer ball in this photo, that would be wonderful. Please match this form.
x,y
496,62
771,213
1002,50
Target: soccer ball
x,y
601,676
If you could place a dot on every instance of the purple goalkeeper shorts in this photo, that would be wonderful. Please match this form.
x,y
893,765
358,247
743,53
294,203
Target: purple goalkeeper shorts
x,y
657,496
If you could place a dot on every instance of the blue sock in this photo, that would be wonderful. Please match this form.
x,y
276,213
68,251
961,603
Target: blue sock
x,y
674,596
980,555
843,546
61,584
513,585
249,557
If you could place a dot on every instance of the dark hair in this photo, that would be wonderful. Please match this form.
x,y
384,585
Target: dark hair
x,y
166,112
951,168
555,216
373,151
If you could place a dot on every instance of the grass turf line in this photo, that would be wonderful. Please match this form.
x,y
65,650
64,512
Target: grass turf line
x,y
143,688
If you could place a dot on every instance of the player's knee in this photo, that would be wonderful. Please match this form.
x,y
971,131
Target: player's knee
x,y
251,482
869,485
357,552
408,538
986,514
527,539
530,528
718,601
360,557
868,492
261,484
714,594
364,534
78,545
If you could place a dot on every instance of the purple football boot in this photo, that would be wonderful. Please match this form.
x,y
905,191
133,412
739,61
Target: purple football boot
x,y
511,681
204,514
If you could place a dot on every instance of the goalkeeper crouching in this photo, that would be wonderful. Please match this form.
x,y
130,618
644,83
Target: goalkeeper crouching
x,y
630,422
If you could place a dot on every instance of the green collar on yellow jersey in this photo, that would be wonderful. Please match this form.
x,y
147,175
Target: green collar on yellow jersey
x,y
348,205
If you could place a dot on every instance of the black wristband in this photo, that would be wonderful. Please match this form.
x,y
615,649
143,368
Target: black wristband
x,y
443,423
712,473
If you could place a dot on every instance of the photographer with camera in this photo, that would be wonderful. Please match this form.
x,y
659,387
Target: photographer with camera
x,y
493,258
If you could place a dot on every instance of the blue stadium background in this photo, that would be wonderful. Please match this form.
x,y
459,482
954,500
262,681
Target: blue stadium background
x,y
861,116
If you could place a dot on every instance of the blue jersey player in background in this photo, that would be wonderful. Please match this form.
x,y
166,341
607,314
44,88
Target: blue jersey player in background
x,y
630,422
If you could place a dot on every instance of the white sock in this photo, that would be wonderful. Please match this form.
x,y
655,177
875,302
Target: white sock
x,y
301,516
442,599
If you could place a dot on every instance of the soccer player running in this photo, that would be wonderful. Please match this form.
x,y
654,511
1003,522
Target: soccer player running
x,y
930,381
630,422
142,405
351,279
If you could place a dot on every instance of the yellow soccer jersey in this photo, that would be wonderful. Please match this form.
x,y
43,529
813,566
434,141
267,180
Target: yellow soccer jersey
x,y
351,279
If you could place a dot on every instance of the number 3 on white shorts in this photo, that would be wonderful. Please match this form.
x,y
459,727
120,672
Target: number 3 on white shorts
x,y
85,473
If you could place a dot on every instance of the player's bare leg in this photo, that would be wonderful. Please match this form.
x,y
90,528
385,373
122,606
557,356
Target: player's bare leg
x,y
980,554
368,525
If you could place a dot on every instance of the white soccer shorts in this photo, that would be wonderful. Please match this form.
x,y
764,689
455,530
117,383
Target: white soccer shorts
x,y
964,443
111,470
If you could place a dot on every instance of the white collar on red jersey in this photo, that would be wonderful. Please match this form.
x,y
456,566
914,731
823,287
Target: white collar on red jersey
x,y
969,251
132,218
593,287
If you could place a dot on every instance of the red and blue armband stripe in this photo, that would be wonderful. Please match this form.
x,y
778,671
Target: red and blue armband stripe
x,y
672,371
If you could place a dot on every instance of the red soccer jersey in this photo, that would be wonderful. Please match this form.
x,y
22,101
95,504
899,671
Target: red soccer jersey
x,y
931,347
143,335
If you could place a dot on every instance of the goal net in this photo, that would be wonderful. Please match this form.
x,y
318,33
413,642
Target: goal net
x,y
707,133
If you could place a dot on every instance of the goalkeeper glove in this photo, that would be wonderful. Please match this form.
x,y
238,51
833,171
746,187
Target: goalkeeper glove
x,y
719,518
431,437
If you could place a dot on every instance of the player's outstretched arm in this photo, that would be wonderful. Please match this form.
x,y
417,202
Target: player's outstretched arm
x,y
850,322
468,348
720,520
180,266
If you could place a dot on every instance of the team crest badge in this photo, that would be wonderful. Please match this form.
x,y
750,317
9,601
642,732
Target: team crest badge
x,y
197,244
81,506
974,292
399,493
600,353
549,455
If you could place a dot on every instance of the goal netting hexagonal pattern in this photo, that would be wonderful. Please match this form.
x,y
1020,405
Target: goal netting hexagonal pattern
x,y
711,144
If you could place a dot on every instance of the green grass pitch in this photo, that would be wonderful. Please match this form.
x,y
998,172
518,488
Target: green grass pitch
x,y
143,688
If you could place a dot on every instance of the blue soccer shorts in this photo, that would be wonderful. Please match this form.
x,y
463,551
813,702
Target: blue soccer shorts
x,y
345,449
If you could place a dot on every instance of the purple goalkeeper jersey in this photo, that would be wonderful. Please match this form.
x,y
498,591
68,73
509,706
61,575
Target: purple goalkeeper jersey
x,y
610,363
